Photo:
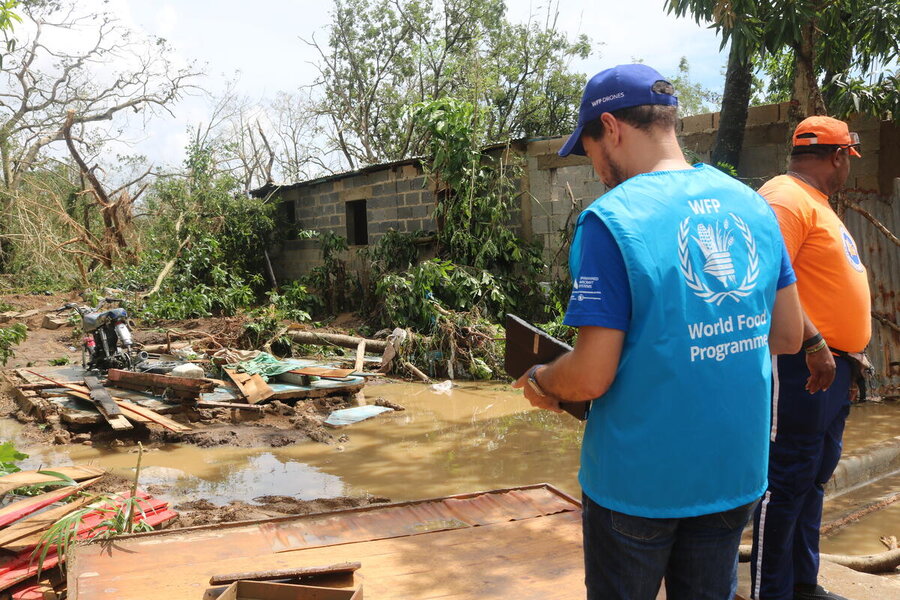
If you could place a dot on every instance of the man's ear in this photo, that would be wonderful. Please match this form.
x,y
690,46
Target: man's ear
x,y
839,156
612,127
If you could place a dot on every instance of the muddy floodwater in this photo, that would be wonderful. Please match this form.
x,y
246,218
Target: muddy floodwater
x,y
476,437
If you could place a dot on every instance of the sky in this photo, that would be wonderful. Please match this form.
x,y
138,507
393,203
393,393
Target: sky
x,y
260,44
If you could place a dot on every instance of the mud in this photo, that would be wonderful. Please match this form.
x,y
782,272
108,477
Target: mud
x,y
204,512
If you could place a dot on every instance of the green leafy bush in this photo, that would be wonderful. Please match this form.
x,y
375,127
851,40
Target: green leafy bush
x,y
9,337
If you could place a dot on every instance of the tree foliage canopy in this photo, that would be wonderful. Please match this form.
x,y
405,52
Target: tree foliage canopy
x,y
383,56
847,46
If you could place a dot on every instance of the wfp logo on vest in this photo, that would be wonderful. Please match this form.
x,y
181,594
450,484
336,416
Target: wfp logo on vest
x,y
850,250
714,245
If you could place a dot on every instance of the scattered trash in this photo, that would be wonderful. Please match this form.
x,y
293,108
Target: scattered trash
x,y
348,416
443,387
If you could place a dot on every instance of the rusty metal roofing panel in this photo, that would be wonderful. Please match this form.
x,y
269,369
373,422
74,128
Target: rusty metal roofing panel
x,y
264,541
882,259
415,518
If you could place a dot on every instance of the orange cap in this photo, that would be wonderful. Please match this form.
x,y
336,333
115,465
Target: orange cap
x,y
826,131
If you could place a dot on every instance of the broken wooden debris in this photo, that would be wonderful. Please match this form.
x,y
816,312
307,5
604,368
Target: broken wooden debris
x,y
412,369
21,508
23,478
231,405
296,573
22,566
179,387
252,387
53,322
325,372
138,412
270,590
105,404
27,528
116,421
360,356
128,410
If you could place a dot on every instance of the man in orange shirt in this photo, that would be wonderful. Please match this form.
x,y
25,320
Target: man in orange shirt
x,y
811,396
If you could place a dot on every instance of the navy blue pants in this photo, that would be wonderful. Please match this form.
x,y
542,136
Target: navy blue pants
x,y
804,450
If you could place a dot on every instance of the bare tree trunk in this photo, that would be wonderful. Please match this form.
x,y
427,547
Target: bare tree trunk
x,y
733,116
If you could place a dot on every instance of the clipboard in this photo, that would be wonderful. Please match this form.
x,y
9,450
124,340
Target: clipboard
x,y
526,346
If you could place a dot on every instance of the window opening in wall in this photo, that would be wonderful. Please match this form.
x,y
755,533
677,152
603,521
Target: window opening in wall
x,y
289,211
357,223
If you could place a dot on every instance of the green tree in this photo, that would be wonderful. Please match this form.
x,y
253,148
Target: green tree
x,y
693,98
383,56
848,46
740,31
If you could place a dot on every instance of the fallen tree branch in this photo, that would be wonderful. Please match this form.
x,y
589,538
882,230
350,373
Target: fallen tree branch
x,y
167,268
344,341
885,320
870,563
871,219
412,369
268,345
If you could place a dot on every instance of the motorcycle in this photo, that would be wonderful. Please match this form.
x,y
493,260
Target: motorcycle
x,y
107,342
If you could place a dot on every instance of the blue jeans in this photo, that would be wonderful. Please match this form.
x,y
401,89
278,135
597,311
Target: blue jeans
x,y
626,557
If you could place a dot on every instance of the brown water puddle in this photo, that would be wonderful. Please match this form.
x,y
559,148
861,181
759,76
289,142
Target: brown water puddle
x,y
862,536
479,436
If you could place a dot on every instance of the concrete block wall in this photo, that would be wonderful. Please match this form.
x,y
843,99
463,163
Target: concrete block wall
x,y
397,197
400,195
552,209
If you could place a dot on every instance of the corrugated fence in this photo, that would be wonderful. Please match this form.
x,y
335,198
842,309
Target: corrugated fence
x,y
881,256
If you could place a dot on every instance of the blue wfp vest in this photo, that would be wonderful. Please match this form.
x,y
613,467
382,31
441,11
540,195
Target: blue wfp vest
x,y
683,429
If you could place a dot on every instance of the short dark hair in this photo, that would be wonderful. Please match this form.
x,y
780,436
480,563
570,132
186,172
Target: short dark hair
x,y
815,151
643,117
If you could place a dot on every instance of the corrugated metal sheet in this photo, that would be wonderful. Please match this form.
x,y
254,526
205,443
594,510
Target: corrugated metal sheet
x,y
882,258
227,541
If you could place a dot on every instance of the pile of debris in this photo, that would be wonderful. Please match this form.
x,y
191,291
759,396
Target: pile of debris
x,y
291,394
36,530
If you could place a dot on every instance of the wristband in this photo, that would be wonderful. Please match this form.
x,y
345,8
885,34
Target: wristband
x,y
533,382
813,341
817,347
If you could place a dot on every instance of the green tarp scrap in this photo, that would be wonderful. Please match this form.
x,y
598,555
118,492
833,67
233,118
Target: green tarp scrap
x,y
267,366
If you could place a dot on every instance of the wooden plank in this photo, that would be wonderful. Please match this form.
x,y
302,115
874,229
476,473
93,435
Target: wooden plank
x,y
360,357
85,396
105,404
37,524
345,567
90,525
251,386
117,422
101,397
23,478
150,415
231,405
155,380
323,371
22,508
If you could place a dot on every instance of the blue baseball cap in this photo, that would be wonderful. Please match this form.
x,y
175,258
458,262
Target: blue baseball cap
x,y
623,86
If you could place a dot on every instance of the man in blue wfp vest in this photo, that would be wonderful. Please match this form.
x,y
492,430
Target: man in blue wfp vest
x,y
681,290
